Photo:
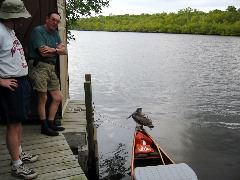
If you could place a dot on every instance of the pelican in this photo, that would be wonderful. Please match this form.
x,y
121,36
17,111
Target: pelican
x,y
141,119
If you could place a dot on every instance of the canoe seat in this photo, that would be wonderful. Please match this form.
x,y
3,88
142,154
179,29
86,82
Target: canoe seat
x,y
165,172
142,155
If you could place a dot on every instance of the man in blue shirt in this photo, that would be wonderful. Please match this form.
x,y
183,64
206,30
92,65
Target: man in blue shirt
x,y
44,48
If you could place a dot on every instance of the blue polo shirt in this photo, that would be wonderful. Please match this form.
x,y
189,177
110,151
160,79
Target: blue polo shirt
x,y
41,37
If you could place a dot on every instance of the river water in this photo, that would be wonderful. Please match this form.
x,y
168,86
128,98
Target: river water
x,y
189,85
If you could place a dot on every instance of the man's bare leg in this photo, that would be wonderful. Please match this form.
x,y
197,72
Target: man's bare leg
x,y
56,100
45,128
12,140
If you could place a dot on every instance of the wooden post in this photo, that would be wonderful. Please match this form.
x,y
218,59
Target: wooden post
x,y
88,97
91,131
88,100
88,77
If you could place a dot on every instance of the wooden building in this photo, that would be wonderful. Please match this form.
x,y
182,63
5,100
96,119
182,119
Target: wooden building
x,y
23,27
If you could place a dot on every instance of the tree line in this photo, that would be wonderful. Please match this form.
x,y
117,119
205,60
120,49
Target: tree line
x,y
77,8
187,21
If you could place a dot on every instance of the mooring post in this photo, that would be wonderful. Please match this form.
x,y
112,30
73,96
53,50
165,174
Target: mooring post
x,y
91,130
88,100
88,77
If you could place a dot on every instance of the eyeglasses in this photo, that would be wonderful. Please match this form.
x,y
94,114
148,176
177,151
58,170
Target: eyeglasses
x,y
54,20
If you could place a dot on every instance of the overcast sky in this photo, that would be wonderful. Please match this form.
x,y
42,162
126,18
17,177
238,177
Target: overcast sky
x,y
118,7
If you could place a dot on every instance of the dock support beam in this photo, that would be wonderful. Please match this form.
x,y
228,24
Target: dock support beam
x,y
93,168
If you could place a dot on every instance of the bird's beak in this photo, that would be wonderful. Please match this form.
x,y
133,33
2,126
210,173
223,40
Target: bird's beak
x,y
129,116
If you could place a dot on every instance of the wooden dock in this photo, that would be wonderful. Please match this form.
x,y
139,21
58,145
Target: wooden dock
x,y
56,160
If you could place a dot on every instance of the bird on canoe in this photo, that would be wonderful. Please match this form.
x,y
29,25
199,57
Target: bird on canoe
x,y
141,119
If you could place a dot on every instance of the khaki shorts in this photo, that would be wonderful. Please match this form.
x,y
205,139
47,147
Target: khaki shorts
x,y
44,78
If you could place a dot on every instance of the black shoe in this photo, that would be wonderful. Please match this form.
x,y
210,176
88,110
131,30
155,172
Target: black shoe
x,y
57,128
48,131
54,127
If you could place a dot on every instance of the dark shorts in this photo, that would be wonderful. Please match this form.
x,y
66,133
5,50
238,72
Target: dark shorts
x,y
14,105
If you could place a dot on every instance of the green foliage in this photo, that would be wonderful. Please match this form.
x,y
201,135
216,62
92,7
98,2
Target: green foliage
x,y
75,9
232,9
188,21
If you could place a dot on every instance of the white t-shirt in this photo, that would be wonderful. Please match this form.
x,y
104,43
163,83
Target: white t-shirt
x,y
12,59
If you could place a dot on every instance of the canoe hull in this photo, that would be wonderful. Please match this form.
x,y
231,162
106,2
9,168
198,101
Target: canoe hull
x,y
158,157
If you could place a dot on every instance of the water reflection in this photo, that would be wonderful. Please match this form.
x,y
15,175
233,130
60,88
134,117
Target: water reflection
x,y
212,151
113,166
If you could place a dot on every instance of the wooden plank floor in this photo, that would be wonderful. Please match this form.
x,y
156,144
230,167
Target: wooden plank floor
x,y
56,160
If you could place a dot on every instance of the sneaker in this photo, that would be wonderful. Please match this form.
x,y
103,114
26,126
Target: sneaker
x,y
23,172
26,157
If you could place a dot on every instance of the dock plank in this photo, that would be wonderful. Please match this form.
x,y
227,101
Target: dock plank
x,y
56,160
